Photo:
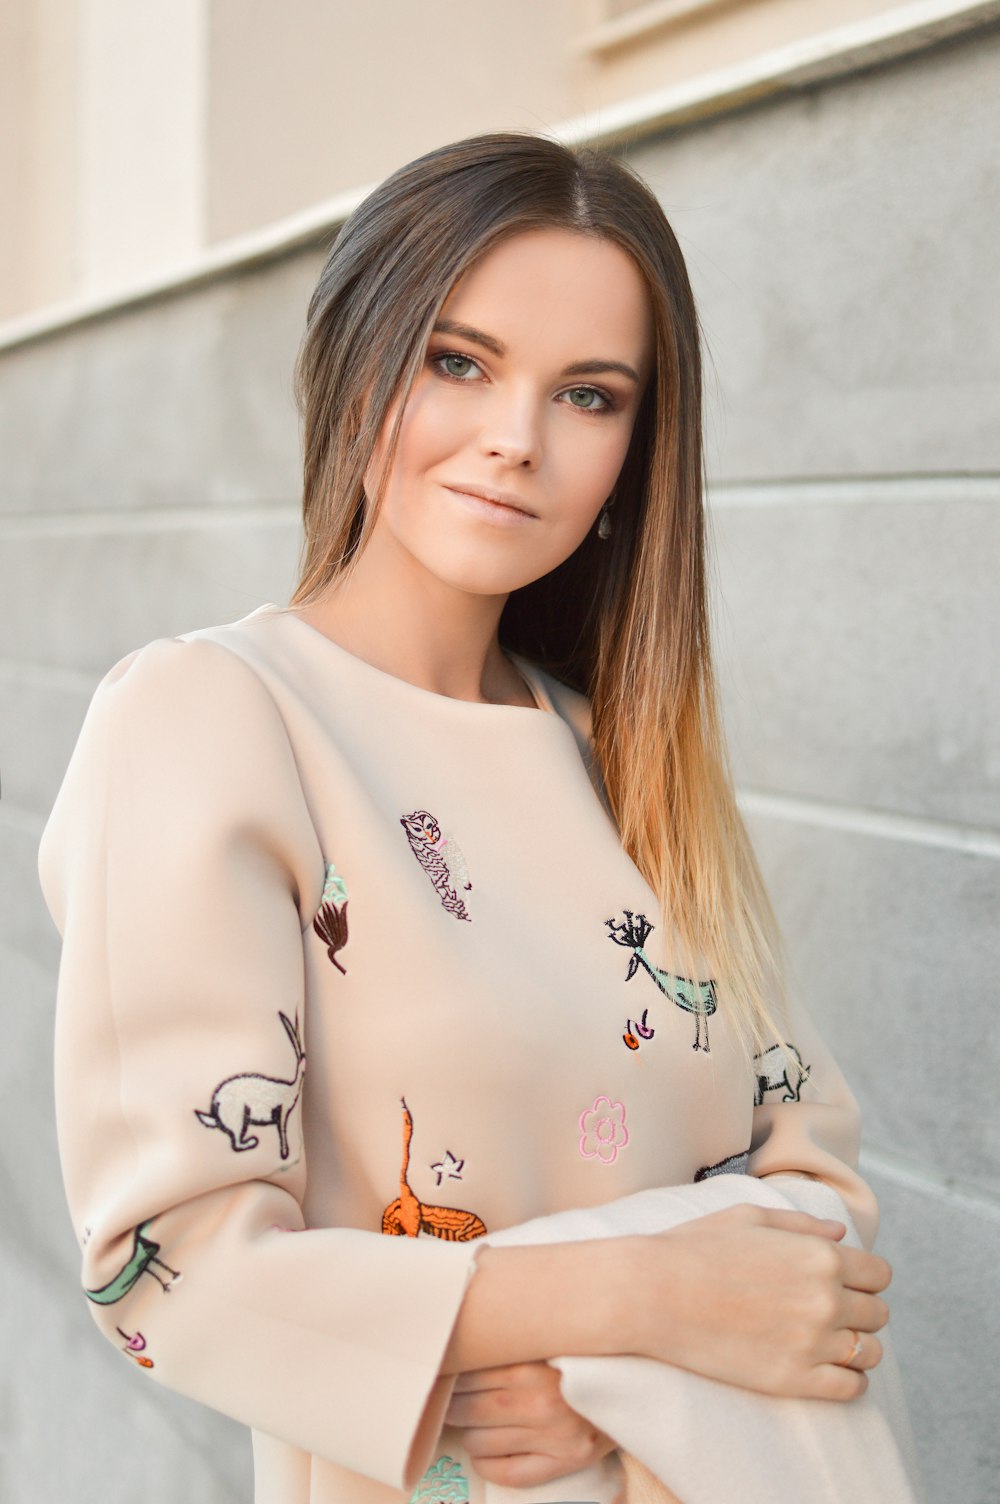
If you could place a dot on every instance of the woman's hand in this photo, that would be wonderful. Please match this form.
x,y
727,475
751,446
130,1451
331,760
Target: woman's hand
x,y
761,1298
518,1429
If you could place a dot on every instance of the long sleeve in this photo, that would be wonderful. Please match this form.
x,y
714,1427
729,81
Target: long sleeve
x,y
181,866
806,1120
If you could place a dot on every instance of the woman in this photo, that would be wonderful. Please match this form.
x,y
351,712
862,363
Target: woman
x,y
458,826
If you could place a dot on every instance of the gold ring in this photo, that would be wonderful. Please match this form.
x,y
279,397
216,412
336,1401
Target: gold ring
x,y
855,1350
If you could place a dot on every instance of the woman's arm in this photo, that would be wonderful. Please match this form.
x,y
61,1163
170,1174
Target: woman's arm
x,y
752,1296
181,864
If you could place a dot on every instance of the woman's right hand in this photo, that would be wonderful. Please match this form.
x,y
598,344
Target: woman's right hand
x,y
765,1299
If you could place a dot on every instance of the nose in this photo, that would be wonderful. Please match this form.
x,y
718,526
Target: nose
x,y
511,431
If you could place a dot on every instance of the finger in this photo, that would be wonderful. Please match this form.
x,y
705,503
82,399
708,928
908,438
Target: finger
x,y
801,1222
520,1470
497,1407
849,1348
506,1377
484,1442
865,1271
870,1355
832,1381
866,1313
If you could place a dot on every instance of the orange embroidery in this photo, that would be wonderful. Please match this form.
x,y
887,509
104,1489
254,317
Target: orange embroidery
x,y
406,1217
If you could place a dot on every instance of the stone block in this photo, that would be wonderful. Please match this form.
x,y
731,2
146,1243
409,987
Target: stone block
x,y
895,950
182,401
858,651
946,1332
148,585
42,716
846,292
81,1423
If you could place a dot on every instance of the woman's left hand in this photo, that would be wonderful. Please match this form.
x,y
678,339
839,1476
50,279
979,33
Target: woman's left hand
x,y
519,1430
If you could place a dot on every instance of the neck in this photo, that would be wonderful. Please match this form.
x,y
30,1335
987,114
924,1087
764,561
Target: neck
x,y
399,618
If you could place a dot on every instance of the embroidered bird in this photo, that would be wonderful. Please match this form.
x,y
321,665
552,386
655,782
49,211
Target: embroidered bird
x,y
407,1217
441,858
699,998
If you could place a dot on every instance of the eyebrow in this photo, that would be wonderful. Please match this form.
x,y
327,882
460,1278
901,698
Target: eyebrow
x,y
578,368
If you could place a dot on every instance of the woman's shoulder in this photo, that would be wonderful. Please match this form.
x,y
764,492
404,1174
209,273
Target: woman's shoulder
x,y
205,658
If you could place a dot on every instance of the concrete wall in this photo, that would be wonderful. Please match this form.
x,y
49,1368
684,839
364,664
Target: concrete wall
x,y
842,244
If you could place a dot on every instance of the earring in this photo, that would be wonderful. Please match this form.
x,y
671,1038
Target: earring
x,y
604,525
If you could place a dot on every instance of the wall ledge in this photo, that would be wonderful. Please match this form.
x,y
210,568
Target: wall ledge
x,y
876,40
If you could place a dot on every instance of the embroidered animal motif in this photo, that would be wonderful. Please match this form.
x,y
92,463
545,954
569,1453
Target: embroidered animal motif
x,y
407,1217
330,922
781,1065
602,1130
636,1031
444,1483
736,1164
699,998
441,858
260,1101
135,1347
144,1255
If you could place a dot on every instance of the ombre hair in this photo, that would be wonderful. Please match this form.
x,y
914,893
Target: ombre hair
x,y
623,620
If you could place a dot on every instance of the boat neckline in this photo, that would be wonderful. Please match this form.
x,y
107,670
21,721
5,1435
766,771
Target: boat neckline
x,y
544,707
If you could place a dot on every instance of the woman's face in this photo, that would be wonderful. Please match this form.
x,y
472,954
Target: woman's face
x,y
528,395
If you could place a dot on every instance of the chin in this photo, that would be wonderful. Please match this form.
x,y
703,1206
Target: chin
x,y
486,575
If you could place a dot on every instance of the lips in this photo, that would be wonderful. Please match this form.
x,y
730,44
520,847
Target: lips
x,y
499,498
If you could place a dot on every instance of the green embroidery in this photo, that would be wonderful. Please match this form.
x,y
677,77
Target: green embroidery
x,y
444,1483
330,922
144,1256
699,998
334,889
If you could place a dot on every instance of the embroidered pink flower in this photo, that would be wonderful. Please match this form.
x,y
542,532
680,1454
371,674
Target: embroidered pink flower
x,y
602,1130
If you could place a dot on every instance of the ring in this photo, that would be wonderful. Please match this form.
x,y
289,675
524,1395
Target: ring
x,y
855,1350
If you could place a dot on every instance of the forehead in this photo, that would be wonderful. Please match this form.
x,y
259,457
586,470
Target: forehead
x,y
558,292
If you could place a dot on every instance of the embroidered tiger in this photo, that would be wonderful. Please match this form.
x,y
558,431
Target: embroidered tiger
x,y
441,858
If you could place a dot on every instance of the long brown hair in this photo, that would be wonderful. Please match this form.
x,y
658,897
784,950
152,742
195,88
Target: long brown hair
x,y
623,620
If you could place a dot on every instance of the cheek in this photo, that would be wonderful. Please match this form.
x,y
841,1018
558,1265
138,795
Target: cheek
x,y
590,467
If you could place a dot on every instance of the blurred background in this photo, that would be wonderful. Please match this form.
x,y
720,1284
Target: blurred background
x,y
171,176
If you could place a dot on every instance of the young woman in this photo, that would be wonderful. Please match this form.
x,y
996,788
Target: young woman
x,y
456,826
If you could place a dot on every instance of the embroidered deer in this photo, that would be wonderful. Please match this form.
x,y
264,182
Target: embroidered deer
x,y
248,1100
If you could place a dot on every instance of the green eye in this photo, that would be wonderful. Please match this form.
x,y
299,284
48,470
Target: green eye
x,y
457,365
586,398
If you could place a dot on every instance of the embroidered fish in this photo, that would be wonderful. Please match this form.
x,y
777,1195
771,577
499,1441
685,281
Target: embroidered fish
x,y
330,922
441,858
407,1217
144,1255
699,998
261,1101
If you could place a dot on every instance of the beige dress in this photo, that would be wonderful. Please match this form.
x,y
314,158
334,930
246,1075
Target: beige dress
x,y
267,852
